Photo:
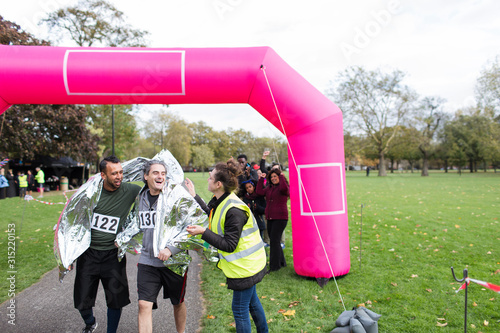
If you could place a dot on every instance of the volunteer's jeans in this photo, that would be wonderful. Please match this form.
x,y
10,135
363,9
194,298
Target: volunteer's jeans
x,y
245,301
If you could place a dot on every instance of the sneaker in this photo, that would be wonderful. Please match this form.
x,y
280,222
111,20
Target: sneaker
x,y
90,328
282,245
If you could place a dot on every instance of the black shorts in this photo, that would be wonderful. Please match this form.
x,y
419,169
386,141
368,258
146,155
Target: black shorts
x,y
94,265
150,279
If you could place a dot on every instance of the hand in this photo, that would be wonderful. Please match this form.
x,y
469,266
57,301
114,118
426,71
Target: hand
x,y
265,154
263,175
195,230
190,187
164,254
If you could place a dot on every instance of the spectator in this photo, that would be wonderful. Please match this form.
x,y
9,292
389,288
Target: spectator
x,y
247,172
31,183
23,184
256,203
4,184
12,189
40,178
277,193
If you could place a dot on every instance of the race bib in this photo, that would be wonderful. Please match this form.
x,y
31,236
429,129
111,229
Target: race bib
x,y
147,219
105,223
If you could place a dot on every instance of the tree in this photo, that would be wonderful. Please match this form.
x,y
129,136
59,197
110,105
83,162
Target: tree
x,y
169,131
404,146
469,135
488,89
375,103
28,131
203,157
428,120
94,22
100,120
13,34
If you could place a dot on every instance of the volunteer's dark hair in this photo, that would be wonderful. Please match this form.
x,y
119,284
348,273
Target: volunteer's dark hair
x,y
227,173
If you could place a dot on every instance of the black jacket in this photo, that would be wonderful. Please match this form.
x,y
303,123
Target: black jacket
x,y
233,226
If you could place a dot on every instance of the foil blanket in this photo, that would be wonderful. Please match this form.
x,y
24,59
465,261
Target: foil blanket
x,y
176,209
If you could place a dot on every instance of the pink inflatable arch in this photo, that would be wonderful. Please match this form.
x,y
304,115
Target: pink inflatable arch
x,y
256,75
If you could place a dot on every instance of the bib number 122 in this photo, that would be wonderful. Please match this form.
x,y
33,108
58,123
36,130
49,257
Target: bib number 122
x,y
105,223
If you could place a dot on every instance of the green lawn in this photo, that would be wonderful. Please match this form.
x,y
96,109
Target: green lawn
x,y
34,239
414,229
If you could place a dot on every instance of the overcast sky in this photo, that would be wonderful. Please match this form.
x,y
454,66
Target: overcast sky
x,y
441,45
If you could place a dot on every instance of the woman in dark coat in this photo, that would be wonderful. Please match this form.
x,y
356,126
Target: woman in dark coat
x,y
242,257
256,203
11,191
277,193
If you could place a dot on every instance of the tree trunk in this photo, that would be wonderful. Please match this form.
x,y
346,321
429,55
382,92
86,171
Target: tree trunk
x,y
392,165
425,164
471,165
445,166
381,165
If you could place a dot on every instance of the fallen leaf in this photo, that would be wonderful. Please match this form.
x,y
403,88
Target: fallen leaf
x,y
272,299
457,226
429,290
294,303
289,313
486,323
394,284
441,324
263,296
281,311
414,275
233,324
472,326
441,319
210,317
474,304
222,284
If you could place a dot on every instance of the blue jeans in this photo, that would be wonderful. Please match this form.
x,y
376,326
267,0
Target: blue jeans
x,y
245,301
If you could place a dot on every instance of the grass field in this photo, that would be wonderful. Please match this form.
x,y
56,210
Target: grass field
x,y
414,228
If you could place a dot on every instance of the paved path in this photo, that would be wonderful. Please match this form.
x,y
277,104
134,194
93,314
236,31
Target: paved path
x,y
47,306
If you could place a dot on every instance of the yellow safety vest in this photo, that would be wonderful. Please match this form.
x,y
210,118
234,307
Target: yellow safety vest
x,y
23,181
249,257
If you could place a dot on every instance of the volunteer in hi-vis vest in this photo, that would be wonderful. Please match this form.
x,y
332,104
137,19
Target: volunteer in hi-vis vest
x,y
100,261
23,185
40,178
234,232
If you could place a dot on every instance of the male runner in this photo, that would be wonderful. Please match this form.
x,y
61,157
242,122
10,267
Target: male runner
x,y
152,274
100,261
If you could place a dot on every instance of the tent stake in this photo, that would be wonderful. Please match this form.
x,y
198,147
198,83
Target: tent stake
x,y
464,279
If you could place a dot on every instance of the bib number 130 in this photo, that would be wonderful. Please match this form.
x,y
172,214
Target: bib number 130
x,y
105,223
147,219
